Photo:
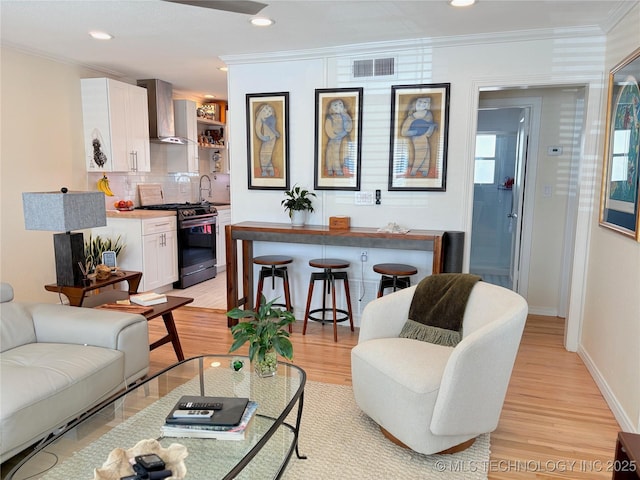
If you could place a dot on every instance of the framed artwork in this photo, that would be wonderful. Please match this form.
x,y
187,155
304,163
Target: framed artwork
x,y
419,135
268,141
338,139
619,193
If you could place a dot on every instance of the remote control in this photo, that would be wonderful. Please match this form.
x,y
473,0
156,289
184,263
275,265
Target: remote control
x,y
193,414
200,406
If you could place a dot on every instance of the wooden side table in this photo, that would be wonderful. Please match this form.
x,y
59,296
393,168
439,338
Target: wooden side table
x,y
77,293
627,460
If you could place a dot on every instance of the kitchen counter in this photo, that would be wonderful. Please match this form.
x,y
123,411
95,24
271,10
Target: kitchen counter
x,y
140,214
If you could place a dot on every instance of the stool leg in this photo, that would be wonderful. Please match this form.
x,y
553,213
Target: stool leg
x,y
306,312
326,289
380,288
287,295
335,313
348,294
259,292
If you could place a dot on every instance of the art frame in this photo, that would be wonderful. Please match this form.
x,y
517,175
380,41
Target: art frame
x,y
418,141
268,141
620,189
338,139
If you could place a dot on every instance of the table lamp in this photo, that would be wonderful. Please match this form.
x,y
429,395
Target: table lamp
x,y
65,211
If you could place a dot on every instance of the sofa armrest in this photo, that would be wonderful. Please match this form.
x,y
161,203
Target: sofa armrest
x,y
126,332
385,316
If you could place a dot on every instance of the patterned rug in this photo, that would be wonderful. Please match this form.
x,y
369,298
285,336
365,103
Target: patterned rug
x,y
340,442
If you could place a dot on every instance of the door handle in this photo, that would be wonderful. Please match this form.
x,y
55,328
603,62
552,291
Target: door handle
x,y
512,215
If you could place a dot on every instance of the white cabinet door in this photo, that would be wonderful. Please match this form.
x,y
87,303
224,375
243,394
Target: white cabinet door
x,y
116,126
224,219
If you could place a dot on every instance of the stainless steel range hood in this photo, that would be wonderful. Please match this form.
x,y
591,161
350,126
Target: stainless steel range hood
x,y
161,118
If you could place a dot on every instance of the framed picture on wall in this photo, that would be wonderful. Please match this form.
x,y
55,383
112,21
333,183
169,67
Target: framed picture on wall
x,y
619,193
419,136
338,139
268,141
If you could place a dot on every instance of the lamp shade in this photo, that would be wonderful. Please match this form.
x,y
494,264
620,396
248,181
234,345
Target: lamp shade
x,y
63,212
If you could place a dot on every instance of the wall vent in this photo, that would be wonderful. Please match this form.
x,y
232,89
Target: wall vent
x,y
374,67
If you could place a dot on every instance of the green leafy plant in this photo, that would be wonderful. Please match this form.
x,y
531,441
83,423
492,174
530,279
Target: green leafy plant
x,y
93,248
266,330
297,199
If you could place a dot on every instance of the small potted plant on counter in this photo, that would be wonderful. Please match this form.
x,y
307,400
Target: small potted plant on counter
x,y
267,334
298,203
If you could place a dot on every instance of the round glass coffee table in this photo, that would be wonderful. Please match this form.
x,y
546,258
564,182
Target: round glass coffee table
x,y
139,413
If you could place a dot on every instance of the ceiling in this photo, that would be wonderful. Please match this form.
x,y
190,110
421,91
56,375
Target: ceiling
x,y
182,44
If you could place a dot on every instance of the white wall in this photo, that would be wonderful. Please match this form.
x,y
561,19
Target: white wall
x,y
535,61
611,321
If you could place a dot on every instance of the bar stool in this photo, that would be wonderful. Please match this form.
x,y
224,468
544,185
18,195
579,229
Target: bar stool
x,y
328,277
394,275
272,266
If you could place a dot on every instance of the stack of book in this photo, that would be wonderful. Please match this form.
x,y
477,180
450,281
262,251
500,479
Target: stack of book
x,y
149,298
220,418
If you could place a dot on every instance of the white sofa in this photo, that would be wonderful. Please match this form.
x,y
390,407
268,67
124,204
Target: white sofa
x,y
432,397
57,362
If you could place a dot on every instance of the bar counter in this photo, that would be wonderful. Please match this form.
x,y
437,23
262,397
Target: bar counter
x,y
447,248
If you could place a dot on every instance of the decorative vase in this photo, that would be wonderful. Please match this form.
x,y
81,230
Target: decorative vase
x,y
268,366
298,217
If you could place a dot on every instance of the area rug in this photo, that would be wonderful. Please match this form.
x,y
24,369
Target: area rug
x,y
340,442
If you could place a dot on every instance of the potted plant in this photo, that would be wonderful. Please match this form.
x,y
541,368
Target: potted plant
x,y
267,334
94,246
297,202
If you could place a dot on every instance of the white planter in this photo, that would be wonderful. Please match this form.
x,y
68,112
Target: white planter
x,y
298,217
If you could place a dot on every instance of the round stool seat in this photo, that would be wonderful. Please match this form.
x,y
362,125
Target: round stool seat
x,y
329,263
395,269
272,260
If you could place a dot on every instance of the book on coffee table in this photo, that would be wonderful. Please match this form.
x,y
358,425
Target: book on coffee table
x,y
202,430
148,298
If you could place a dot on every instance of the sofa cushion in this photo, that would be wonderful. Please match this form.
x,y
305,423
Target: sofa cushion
x,y
52,384
16,325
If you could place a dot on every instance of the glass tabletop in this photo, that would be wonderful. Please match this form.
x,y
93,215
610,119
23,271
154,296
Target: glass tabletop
x,y
140,413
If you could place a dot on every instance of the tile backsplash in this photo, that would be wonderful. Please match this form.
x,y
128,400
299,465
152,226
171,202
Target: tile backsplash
x,y
177,187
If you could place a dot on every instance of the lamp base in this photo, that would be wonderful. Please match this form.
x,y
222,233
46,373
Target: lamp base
x,y
69,250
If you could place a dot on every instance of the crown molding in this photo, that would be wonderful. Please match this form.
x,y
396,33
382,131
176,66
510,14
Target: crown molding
x,y
425,42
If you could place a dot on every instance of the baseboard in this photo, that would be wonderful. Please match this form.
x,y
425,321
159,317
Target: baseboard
x,y
544,311
609,397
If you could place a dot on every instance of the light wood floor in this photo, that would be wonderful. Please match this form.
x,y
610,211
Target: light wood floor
x,y
554,424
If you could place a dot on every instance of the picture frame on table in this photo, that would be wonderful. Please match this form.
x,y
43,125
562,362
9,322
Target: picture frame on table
x,y
268,140
419,137
619,196
338,139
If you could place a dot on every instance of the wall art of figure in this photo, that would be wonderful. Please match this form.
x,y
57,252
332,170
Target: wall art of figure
x,y
267,133
337,125
419,127
99,158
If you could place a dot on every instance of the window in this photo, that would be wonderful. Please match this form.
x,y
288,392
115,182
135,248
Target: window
x,y
485,159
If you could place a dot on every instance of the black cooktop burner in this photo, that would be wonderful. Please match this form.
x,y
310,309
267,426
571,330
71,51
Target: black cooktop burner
x,y
185,209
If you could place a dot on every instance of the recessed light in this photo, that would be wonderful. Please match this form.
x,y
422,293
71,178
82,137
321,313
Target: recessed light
x,y
223,69
208,95
262,22
461,3
100,35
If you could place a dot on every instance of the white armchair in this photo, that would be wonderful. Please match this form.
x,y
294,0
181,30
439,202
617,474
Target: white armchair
x,y
432,398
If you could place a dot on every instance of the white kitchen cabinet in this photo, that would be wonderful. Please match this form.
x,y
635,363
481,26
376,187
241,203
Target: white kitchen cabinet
x,y
224,219
116,126
151,247
184,158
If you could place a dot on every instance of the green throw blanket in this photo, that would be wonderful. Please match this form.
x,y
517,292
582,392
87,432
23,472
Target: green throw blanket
x,y
437,308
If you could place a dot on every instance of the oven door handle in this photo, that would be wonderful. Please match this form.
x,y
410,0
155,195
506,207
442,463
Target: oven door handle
x,y
197,222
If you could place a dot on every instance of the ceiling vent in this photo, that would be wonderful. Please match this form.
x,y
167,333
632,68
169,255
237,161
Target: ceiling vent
x,y
374,67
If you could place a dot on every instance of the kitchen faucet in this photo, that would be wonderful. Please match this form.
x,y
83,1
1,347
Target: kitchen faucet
x,y
208,189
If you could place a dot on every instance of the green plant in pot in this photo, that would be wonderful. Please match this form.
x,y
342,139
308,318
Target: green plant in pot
x,y
267,333
94,246
297,203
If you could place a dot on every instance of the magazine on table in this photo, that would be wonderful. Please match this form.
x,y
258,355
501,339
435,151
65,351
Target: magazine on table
x,y
204,430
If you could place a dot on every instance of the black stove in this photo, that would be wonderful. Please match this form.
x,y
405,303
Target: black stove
x,y
197,230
